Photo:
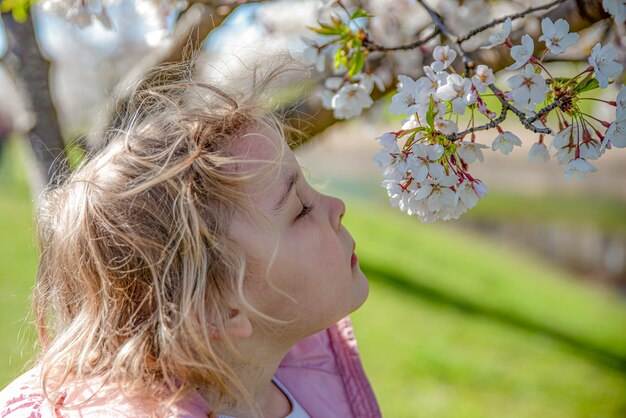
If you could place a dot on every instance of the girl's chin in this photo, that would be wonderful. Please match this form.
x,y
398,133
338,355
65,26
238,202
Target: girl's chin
x,y
362,288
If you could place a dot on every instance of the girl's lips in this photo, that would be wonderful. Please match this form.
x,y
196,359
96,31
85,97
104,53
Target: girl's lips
x,y
354,259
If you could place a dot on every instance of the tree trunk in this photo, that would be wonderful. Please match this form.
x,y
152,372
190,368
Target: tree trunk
x,y
32,71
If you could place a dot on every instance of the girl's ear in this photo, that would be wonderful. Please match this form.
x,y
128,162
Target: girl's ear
x,y
238,325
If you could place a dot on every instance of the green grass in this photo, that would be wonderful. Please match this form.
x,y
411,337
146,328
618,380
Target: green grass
x,y
607,214
444,264
454,326
458,327
18,265
426,359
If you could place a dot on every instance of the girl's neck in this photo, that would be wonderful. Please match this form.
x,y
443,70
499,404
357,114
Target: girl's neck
x,y
272,402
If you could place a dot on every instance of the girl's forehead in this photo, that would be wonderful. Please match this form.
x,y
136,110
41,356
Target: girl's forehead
x,y
266,151
263,143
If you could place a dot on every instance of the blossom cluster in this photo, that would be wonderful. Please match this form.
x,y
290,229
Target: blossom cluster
x,y
428,175
426,163
340,42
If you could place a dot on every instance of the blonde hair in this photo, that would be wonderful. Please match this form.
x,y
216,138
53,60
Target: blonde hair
x,y
136,264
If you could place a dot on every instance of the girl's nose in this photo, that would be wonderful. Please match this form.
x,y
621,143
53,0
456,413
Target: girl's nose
x,y
337,210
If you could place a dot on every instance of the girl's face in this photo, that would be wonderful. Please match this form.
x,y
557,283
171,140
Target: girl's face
x,y
313,261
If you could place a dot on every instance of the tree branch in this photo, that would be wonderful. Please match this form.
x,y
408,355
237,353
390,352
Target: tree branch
x,y
580,15
372,46
438,21
491,124
513,16
527,122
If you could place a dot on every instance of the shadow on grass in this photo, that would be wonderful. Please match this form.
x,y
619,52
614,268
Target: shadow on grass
x,y
583,348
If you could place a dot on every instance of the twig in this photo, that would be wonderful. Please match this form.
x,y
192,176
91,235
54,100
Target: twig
x,y
491,124
527,122
375,47
557,103
503,18
467,61
437,20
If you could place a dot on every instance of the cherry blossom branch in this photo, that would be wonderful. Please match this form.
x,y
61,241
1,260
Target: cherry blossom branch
x,y
527,122
557,103
372,46
491,124
513,16
437,20
468,62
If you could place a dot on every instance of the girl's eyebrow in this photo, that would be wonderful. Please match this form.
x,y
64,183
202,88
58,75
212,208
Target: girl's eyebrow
x,y
293,178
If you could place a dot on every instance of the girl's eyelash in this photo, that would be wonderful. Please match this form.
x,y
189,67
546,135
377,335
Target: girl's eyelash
x,y
305,210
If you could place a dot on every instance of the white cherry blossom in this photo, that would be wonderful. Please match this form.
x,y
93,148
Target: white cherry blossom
x,y
617,134
398,196
446,126
480,188
383,159
104,18
458,90
522,53
389,142
602,59
437,192
562,139
505,142
538,153
334,83
429,83
411,205
412,122
498,37
79,16
350,101
617,9
406,163
466,193
529,88
578,168
565,154
443,55
426,157
405,101
483,77
590,150
556,35
471,151
327,98
312,56
424,105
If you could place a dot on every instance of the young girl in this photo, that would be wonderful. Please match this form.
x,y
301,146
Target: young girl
x,y
187,269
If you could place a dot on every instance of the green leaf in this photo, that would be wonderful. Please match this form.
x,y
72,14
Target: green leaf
x,y
561,80
587,85
340,58
359,13
356,64
325,30
18,8
430,115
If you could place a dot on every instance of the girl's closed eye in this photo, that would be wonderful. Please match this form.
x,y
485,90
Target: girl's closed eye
x,y
306,208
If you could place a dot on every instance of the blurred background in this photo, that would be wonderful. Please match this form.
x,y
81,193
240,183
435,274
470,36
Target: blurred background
x,y
518,309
